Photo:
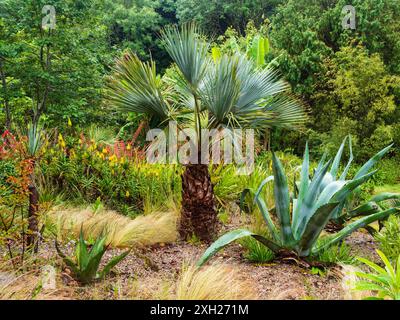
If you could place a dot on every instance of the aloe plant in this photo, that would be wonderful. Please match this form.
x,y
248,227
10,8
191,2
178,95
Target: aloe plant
x,y
301,218
87,261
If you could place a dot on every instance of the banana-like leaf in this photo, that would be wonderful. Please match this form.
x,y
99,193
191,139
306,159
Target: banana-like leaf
x,y
282,201
371,162
360,223
314,228
113,262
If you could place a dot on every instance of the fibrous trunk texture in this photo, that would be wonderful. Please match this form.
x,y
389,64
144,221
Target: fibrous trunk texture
x,y
198,216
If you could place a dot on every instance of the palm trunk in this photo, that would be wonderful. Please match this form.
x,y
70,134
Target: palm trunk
x,y
198,215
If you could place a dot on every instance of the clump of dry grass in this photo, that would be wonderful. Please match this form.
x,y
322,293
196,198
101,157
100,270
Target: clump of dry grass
x,y
214,282
122,231
28,286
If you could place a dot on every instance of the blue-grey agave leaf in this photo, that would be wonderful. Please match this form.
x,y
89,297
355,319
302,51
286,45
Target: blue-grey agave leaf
x,y
346,169
303,186
371,162
314,227
307,207
282,201
338,157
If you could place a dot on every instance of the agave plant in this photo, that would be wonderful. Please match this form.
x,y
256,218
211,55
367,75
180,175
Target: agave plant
x,y
200,92
302,218
376,204
87,261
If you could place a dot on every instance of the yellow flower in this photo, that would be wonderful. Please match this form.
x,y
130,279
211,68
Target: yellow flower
x,y
69,122
128,147
127,194
105,151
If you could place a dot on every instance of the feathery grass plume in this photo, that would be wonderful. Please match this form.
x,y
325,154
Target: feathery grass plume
x,y
156,227
214,282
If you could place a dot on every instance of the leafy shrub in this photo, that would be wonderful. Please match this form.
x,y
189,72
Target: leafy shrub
x,y
384,281
117,174
14,195
389,238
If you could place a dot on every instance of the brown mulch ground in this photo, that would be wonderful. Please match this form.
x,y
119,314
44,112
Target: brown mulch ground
x,y
150,273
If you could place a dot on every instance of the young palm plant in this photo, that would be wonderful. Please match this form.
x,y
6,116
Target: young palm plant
x,y
301,219
202,93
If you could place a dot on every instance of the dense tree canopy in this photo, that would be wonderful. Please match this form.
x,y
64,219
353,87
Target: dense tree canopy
x,y
345,76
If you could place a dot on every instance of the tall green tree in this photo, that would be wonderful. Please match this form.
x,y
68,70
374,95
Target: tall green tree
x,y
136,24
216,16
51,65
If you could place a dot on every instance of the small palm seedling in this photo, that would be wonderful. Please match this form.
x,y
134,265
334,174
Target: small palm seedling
x,y
87,261
384,281
302,218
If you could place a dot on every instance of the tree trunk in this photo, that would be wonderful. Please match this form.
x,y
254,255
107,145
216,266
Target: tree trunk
x,y
198,215
33,223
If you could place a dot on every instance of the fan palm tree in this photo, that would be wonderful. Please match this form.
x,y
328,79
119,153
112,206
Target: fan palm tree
x,y
203,93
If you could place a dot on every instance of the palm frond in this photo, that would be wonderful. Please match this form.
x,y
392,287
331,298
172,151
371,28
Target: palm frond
x,y
188,51
135,87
